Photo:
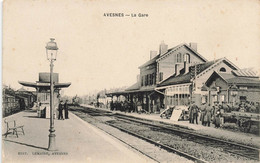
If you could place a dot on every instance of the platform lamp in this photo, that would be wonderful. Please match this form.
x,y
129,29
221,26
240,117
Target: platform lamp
x,y
51,52
234,92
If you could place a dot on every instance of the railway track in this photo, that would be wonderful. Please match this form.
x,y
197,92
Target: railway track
x,y
231,147
235,148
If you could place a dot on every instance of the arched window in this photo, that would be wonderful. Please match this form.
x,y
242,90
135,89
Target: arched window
x,y
186,58
222,69
179,58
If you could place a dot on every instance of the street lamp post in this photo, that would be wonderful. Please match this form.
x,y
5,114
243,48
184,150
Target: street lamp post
x,y
51,51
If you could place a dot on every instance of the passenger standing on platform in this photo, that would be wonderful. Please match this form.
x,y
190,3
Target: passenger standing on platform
x,y
195,110
66,108
60,108
190,113
208,115
202,115
111,105
214,111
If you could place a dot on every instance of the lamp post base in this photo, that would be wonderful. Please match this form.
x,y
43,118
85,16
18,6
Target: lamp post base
x,y
52,142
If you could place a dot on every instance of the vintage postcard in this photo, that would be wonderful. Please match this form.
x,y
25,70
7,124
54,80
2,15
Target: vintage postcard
x,y
130,81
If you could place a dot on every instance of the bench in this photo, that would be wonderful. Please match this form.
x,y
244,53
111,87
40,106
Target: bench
x,y
11,128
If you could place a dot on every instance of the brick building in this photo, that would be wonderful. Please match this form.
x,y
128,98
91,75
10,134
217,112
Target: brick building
x,y
221,87
160,66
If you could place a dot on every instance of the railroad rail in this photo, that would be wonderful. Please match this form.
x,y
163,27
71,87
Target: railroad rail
x,y
231,147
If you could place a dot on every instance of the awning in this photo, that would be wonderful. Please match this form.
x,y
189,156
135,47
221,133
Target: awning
x,y
39,85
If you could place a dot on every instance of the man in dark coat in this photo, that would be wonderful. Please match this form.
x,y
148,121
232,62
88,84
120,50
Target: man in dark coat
x,y
190,113
66,108
207,117
60,108
203,113
195,111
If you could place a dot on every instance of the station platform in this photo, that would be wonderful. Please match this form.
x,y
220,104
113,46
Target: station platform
x,y
239,137
76,141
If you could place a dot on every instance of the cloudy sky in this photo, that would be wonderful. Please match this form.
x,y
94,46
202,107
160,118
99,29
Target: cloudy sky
x,y
97,52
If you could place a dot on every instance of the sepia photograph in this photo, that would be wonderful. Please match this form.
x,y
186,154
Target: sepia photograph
x,y
134,81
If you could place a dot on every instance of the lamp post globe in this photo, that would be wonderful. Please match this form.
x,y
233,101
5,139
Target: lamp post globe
x,y
51,52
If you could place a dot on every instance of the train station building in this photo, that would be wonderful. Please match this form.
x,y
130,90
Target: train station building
x,y
177,76
160,67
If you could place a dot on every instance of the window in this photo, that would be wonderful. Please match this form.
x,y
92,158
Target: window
x,y
179,58
222,69
151,79
186,58
161,76
146,80
154,78
243,88
242,98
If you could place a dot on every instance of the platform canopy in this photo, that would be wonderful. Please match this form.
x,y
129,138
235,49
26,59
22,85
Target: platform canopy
x,y
44,82
39,85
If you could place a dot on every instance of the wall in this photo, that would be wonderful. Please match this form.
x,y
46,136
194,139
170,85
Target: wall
x,y
151,69
202,78
167,65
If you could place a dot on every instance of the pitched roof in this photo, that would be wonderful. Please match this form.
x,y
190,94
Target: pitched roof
x,y
243,81
151,61
22,90
160,56
245,73
133,87
237,80
185,78
179,46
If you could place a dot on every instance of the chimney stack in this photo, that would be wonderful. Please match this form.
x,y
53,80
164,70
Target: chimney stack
x,y
177,71
163,48
193,45
152,54
186,67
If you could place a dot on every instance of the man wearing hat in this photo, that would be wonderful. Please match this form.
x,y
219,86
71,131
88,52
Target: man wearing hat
x,y
60,109
66,108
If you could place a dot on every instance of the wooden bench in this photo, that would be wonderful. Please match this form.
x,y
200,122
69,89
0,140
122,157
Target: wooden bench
x,y
11,128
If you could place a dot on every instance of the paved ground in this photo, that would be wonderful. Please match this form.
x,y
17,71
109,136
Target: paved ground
x,y
239,137
76,141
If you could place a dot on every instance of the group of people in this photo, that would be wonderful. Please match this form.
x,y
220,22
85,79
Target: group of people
x,y
214,113
63,106
208,113
124,106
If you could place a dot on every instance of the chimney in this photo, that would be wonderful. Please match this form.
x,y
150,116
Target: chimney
x,y
177,71
186,67
152,54
193,45
163,48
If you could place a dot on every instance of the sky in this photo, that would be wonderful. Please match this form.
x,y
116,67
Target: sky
x,y
98,52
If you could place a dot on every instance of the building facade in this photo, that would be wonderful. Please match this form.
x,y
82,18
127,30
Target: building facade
x,y
160,67
234,88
